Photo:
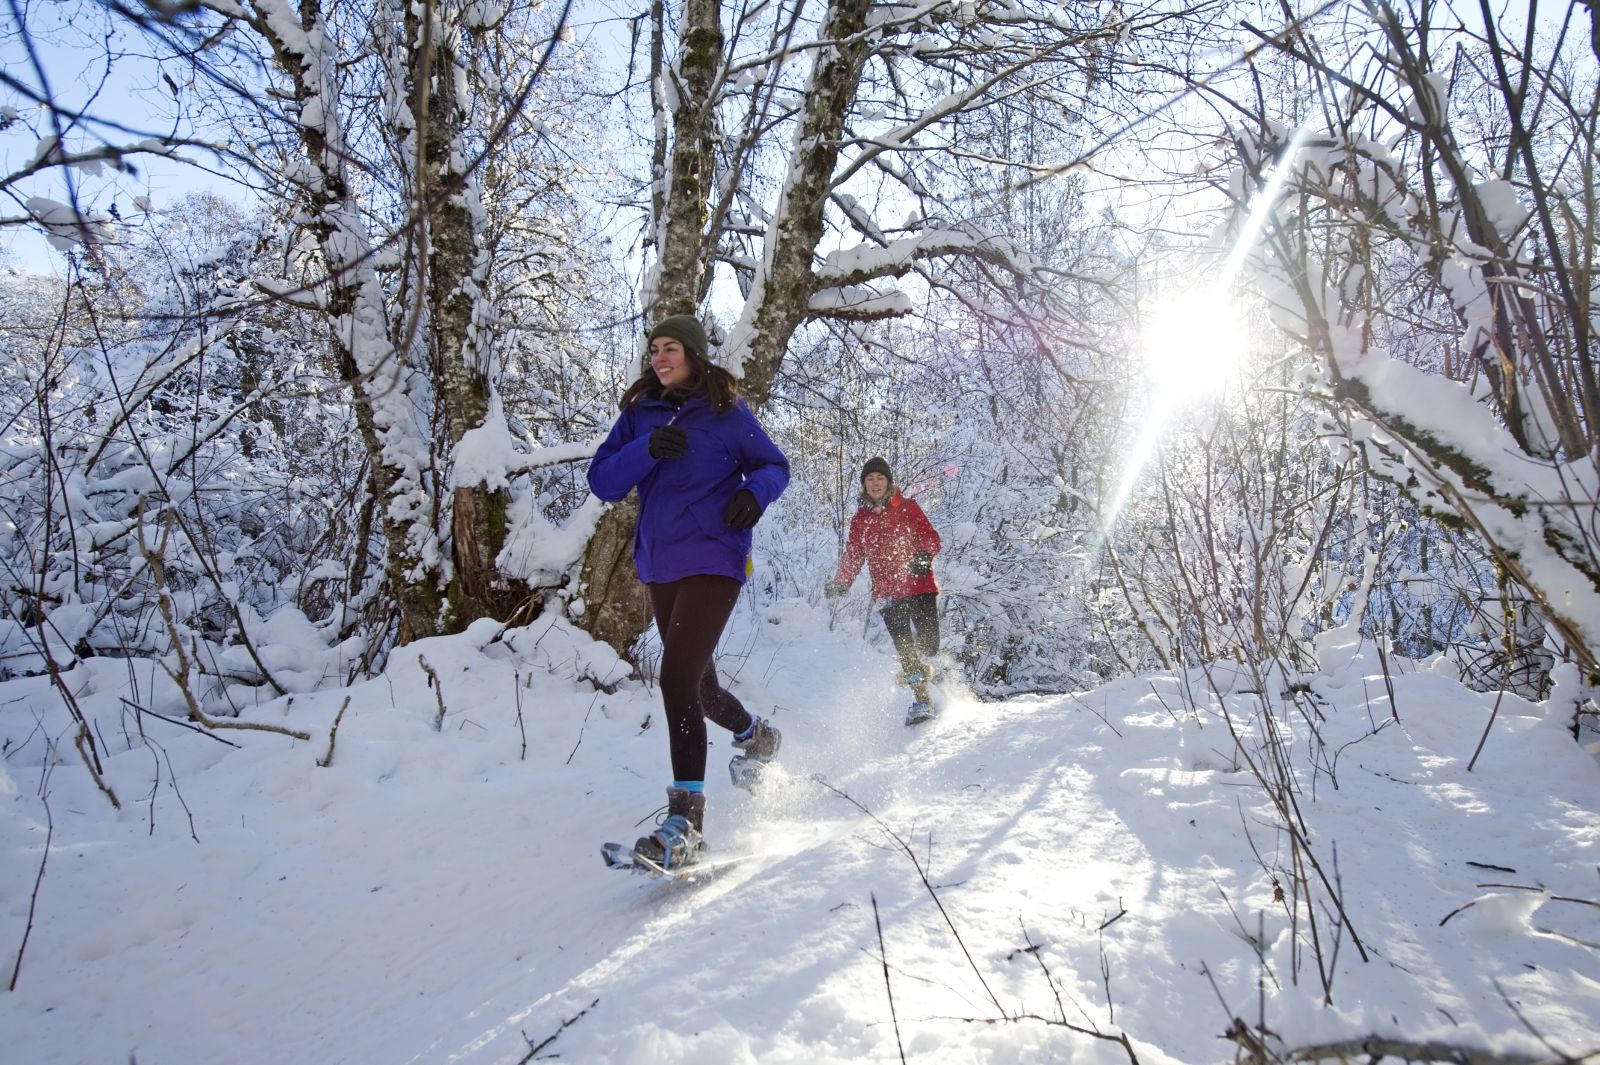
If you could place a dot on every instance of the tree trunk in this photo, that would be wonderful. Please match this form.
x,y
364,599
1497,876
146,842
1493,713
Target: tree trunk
x,y
781,299
386,395
617,607
451,243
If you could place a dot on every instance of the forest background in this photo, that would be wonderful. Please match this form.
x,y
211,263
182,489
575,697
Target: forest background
x,y
1199,329
1224,325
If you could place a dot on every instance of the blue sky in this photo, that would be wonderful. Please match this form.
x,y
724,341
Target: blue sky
x,y
86,66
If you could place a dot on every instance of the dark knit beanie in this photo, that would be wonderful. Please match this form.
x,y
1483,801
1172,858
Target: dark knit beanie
x,y
686,330
876,465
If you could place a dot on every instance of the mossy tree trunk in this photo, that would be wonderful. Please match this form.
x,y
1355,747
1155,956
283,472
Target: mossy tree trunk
x,y
460,335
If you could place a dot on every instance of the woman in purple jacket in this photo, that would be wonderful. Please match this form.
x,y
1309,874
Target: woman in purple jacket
x,y
705,472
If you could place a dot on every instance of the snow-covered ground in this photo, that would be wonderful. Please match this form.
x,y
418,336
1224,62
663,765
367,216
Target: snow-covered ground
x,y
1095,863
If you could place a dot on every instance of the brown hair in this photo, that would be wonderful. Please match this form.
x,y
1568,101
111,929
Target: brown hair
x,y
720,386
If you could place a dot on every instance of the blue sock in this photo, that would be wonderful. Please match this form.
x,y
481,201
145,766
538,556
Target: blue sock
x,y
696,786
748,732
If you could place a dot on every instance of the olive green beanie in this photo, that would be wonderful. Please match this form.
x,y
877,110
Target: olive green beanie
x,y
686,330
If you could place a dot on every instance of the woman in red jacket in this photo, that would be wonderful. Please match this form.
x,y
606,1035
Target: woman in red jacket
x,y
892,535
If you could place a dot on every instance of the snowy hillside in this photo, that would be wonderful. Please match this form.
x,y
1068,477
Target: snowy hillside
x,y
1095,863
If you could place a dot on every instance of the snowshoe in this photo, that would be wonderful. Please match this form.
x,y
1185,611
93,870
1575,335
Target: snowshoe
x,y
678,842
617,856
621,857
758,749
921,710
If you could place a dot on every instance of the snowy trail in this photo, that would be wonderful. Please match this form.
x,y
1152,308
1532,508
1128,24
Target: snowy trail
x,y
753,964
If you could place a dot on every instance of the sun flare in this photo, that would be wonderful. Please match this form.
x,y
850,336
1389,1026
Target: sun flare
x,y
1194,345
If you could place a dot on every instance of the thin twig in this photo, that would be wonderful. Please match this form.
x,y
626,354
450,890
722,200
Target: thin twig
x,y
140,711
883,955
327,759
155,785
1105,976
83,741
922,873
438,691
1121,1039
1487,726
1038,956
551,1038
581,728
179,793
33,900
1122,911
516,695
1388,681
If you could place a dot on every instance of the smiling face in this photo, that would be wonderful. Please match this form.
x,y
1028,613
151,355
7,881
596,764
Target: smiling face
x,y
876,485
669,361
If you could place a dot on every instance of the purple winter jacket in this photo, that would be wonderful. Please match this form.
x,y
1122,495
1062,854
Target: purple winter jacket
x,y
680,531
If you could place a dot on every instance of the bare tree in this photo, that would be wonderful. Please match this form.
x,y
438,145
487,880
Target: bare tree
x,y
1435,247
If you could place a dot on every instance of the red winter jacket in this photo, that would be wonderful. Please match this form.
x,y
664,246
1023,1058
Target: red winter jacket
x,y
885,538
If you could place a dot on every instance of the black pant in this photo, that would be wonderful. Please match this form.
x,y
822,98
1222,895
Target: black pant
x,y
690,615
913,622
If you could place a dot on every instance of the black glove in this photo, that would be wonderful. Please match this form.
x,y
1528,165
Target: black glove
x,y
742,511
921,564
668,442
833,589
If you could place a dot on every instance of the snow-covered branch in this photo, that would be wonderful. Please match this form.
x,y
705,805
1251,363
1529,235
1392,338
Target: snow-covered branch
x,y
855,266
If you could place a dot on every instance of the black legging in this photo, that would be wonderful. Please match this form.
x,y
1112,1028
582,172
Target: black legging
x,y
919,613
690,615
